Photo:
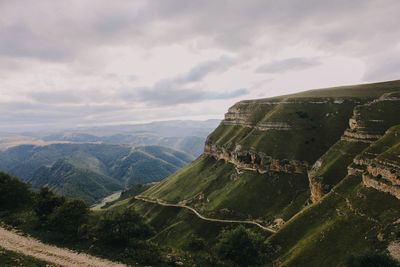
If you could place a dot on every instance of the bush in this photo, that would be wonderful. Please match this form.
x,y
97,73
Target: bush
x,y
241,247
122,227
196,244
69,217
14,194
45,204
371,260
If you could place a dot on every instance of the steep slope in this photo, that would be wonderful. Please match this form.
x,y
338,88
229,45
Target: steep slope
x,y
271,158
360,214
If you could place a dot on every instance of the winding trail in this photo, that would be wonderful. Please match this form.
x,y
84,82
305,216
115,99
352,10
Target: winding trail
x,y
161,203
29,246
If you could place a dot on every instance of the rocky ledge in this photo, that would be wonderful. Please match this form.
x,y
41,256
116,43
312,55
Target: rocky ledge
x,y
255,161
384,177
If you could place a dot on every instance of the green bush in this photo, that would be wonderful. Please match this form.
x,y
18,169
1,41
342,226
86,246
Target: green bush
x,y
371,260
196,244
122,227
45,204
69,217
241,247
14,194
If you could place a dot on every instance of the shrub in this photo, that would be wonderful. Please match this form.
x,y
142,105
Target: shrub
x,y
241,247
196,244
14,194
371,260
122,227
46,202
69,217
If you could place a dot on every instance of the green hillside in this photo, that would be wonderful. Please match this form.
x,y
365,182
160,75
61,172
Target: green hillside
x,y
321,167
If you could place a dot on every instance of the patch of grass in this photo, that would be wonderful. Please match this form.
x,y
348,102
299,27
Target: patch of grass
x,y
10,259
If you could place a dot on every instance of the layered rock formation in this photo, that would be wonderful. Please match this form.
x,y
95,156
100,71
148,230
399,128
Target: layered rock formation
x,y
384,177
255,161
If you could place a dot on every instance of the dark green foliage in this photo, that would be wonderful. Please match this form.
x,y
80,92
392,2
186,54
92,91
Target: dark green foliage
x,y
242,247
196,244
122,227
46,202
69,217
13,193
371,260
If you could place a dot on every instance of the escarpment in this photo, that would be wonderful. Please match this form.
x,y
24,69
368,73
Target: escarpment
x,y
368,124
370,121
383,177
255,161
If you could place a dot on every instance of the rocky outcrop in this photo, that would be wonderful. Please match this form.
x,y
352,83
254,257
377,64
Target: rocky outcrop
x,y
239,115
359,131
255,161
384,177
317,188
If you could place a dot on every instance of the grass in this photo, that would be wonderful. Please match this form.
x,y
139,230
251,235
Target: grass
x,y
10,259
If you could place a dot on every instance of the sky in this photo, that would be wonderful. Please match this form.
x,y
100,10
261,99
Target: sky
x,y
99,62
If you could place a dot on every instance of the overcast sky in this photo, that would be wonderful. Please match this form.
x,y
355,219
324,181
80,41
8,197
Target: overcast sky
x,y
92,62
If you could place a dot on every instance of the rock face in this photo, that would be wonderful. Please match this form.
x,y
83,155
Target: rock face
x,y
317,188
383,177
362,128
240,115
255,161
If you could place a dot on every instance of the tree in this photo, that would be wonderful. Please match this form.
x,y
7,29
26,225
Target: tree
x,y
122,227
371,260
241,247
69,217
14,194
46,203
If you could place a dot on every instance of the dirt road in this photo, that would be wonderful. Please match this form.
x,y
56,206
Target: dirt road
x,y
157,201
10,240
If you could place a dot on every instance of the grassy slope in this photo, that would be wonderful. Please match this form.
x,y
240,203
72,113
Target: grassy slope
x,y
351,211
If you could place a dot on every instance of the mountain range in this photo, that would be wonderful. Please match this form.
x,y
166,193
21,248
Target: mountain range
x,y
90,171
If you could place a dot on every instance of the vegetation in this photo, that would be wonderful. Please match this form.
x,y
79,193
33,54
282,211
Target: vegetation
x,y
371,260
242,247
14,195
11,259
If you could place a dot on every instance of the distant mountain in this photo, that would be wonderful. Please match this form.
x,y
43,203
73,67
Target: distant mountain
x,y
91,171
187,136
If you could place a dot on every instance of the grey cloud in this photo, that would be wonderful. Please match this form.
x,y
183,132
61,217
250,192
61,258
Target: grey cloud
x,y
290,64
175,89
55,97
171,96
200,71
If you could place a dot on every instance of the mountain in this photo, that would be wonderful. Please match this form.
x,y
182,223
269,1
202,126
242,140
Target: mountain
x,y
187,136
90,171
321,167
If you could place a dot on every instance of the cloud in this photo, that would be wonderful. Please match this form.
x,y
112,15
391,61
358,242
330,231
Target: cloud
x,y
179,90
290,64
55,56
172,96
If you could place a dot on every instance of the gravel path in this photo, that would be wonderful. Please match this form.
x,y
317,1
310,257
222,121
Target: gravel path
x,y
159,202
10,240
